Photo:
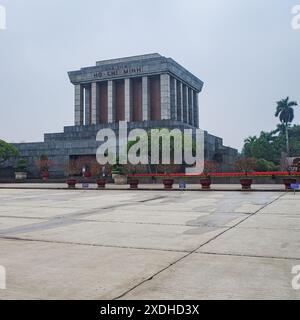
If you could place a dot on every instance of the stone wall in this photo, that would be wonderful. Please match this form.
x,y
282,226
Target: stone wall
x,y
81,140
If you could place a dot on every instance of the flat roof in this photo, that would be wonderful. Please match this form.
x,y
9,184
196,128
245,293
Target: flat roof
x,y
135,66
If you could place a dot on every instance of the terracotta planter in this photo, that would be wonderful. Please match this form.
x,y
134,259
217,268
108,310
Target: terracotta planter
x,y
45,175
205,183
246,183
134,183
71,183
287,182
101,183
168,183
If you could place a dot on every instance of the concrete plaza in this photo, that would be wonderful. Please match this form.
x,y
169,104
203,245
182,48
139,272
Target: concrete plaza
x,y
112,244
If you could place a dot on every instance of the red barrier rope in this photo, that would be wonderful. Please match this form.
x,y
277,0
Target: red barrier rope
x,y
218,174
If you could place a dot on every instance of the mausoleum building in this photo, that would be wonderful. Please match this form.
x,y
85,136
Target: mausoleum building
x,y
146,91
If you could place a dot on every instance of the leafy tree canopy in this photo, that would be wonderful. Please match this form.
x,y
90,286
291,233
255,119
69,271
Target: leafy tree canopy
x,y
7,151
270,145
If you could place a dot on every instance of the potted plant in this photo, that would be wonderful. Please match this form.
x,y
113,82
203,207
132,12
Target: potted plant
x,y
168,183
44,164
209,166
98,172
21,169
246,165
71,182
165,170
118,174
132,180
45,175
72,169
133,183
87,173
101,181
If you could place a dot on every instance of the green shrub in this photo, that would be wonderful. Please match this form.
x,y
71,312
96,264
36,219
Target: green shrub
x,y
21,165
263,165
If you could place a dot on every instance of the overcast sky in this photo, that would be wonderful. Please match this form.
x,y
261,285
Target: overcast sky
x,y
245,51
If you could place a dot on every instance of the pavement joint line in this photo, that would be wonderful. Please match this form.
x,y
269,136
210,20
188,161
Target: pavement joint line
x,y
270,228
158,224
193,251
138,222
89,244
246,255
22,217
65,219
41,207
281,214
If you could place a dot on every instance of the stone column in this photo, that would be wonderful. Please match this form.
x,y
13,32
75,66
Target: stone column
x,y
78,105
110,101
179,101
191,107
188,105
184,103
165,96
87,105
145,99
173,92
95,103
127,100
196,109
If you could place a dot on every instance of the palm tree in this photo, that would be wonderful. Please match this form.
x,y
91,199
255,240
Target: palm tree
x,y
250,140
280,128
248,144
285,112
267,136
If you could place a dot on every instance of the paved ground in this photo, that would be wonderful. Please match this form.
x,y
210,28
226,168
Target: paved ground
x,y
61,244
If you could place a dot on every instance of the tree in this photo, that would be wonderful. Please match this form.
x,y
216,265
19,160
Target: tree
x,y
280,129
7,151
21,165
174,147
263,165
246,164
294,141
248,145
285,112
44,163
262,147
209,167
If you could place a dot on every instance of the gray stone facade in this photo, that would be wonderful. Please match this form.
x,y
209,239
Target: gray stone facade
x,y
128,69
178,96
81,140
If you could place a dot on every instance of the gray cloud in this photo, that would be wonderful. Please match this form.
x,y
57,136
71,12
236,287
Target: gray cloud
x,y
245,52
